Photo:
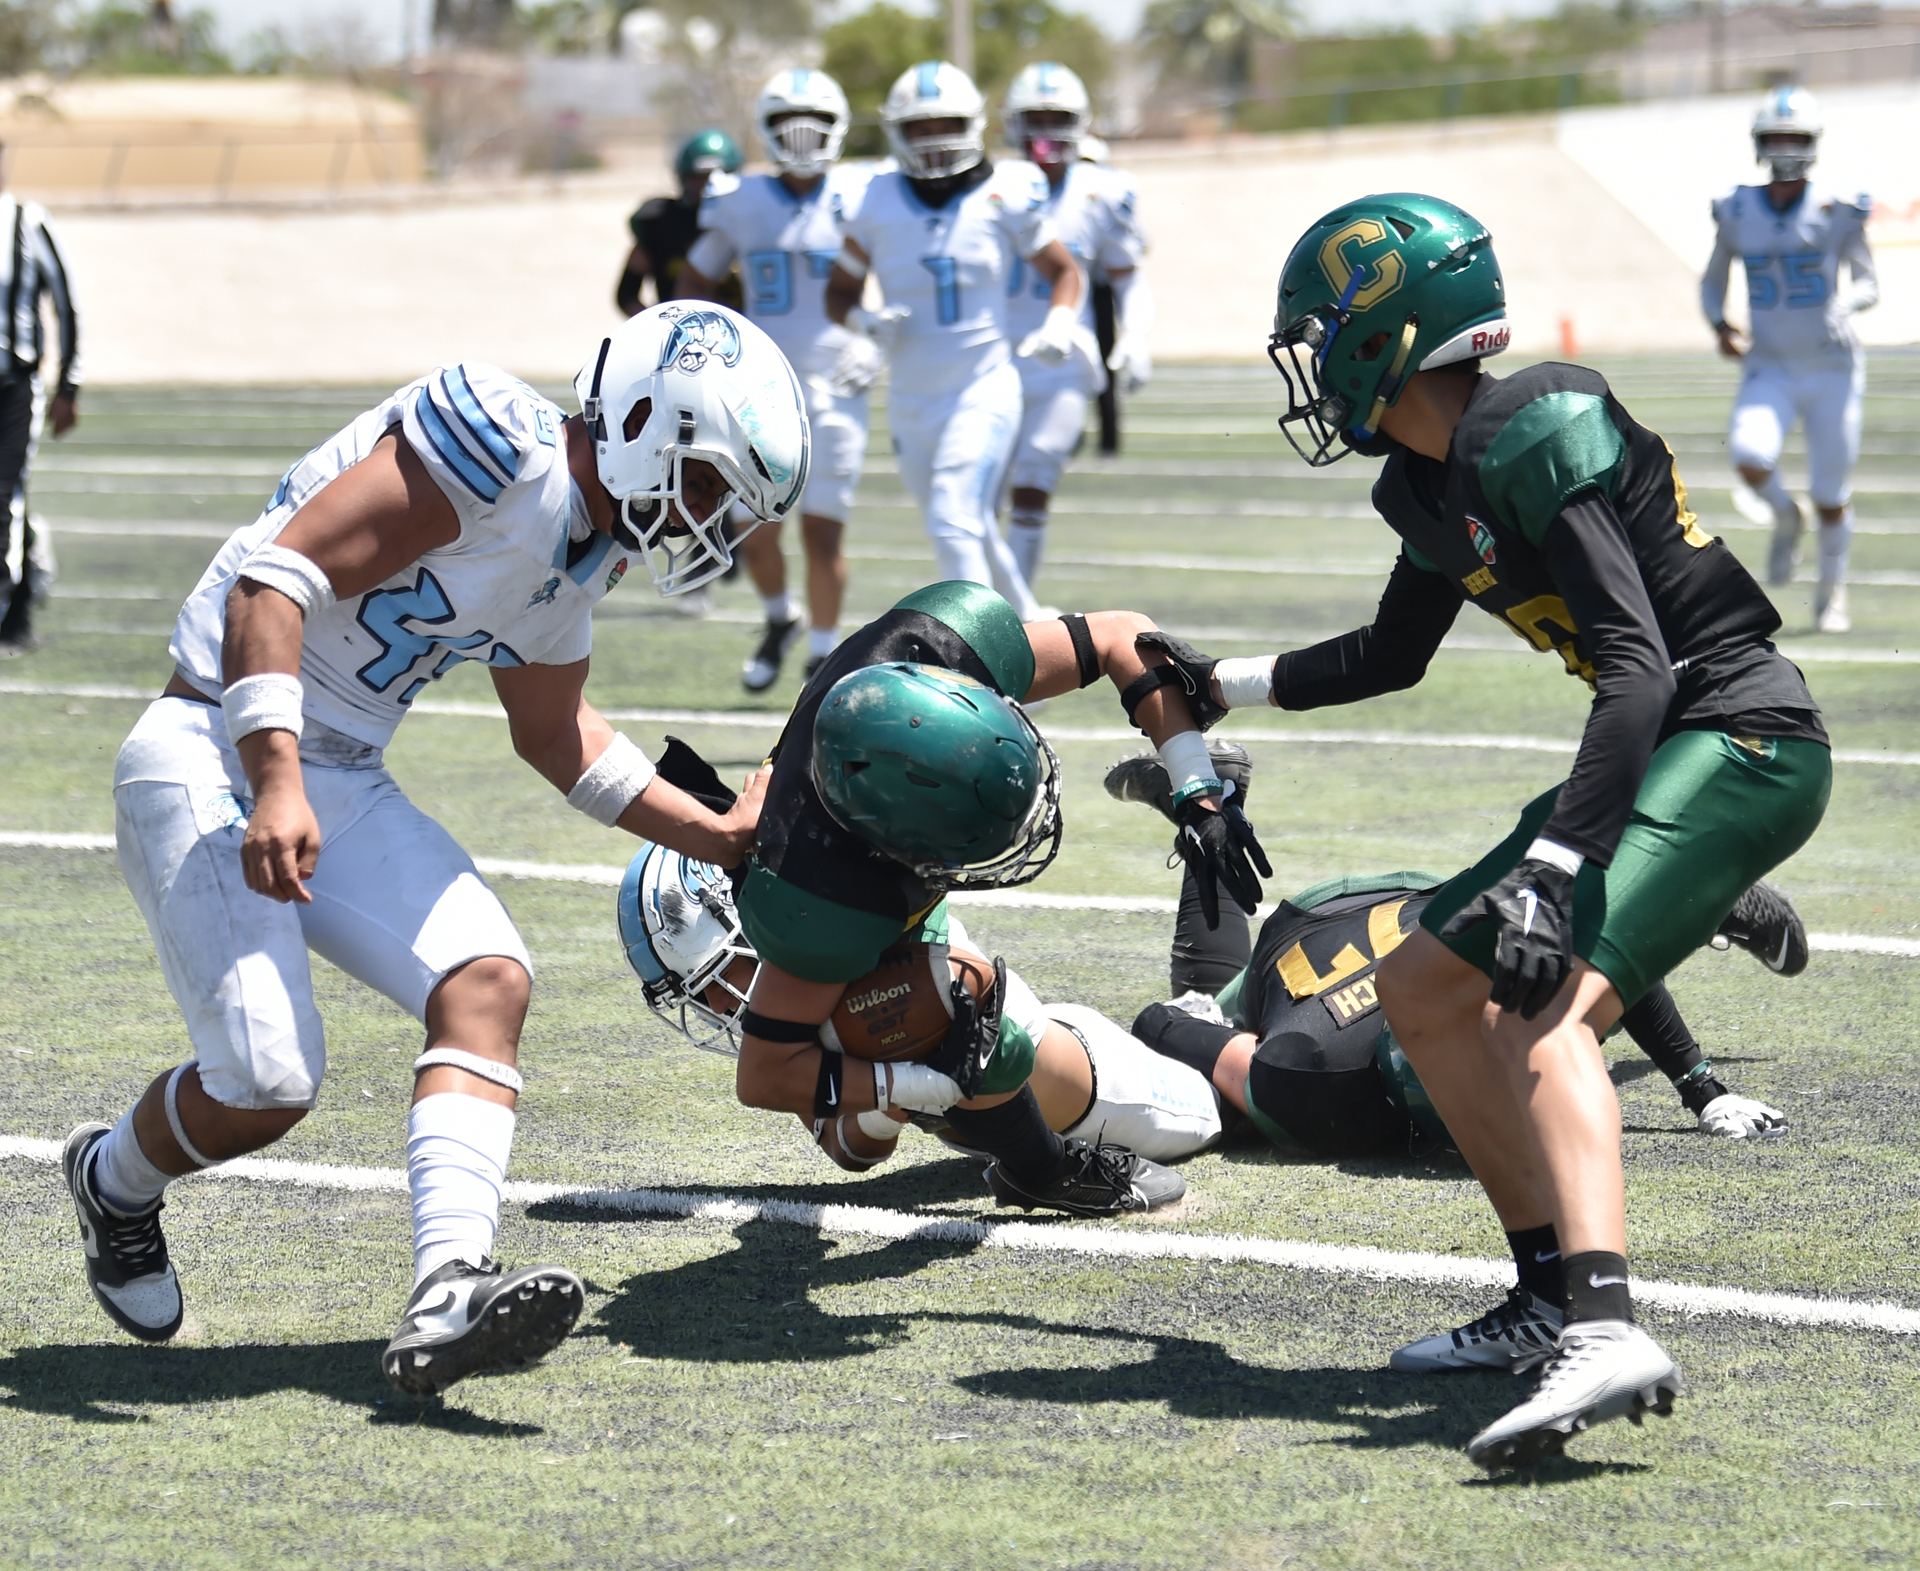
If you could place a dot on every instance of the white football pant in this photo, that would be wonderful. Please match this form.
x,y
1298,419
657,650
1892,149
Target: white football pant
x,y
1051,425
839,450
1828,402
954,449
1153,1106
396,902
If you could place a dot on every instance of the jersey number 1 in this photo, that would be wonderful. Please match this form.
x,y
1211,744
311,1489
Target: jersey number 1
x,y
946,287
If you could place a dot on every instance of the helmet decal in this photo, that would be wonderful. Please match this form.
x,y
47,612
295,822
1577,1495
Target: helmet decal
x,y
928,81
696,338
1339,264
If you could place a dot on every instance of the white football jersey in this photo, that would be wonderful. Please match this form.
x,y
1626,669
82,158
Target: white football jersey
x,y
517,586
786,245
1095,215
950,266
1799,309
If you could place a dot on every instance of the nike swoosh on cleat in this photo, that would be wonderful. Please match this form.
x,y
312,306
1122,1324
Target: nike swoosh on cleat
x,y
1780,959
444,1318
1606,1281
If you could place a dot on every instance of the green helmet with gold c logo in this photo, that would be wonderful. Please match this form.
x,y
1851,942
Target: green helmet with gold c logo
x,y
1373,292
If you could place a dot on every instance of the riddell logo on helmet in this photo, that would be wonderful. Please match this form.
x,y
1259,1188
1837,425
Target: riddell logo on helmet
x,y
1492,340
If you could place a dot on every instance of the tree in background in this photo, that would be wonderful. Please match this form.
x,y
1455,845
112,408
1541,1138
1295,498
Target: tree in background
x,y
868,51
1211,44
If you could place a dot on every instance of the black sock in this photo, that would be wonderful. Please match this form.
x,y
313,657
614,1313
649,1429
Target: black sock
x,y
1536,1256
1185,1038
1015,1135
1597,1287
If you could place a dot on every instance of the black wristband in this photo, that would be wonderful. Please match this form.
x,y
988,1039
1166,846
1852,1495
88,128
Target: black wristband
x,y
826,1090
753,1023
1149,681
1083,651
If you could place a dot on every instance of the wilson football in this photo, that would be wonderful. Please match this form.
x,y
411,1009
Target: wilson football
x,y
902,1007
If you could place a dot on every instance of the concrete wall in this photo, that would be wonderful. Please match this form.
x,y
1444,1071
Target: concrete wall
x,y
1599,216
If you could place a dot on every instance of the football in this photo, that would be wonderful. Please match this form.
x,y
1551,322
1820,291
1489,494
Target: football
x,y
902,1007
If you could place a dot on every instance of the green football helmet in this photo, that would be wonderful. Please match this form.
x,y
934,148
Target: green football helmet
x,y
1404,1087
940,772
1373,292
706,151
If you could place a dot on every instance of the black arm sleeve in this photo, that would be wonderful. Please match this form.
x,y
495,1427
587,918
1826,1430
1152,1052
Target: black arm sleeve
x,y
1654,1023
1593,566
626,293
1416,610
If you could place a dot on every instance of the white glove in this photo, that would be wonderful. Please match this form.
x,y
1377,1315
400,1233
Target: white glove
x,y
1130,363
1052,341
1741,1118
883,327
857,368
919,1089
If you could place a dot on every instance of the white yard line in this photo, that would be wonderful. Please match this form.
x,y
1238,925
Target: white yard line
x,y
607,876
1087,1242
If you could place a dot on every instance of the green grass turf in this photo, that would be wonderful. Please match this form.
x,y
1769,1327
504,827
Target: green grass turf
x,y
768,1396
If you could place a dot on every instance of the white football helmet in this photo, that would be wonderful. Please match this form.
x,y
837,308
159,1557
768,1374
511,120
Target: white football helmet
x,y
815,127
935,90
682,936
693,380
1787,113
1045,86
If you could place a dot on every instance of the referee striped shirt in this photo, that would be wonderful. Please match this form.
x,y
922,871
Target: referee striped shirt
x,y
34,268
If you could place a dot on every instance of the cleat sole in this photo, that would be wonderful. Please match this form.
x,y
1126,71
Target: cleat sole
x,y
516,1329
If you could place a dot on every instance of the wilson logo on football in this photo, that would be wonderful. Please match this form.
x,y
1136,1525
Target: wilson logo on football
x,y
879,996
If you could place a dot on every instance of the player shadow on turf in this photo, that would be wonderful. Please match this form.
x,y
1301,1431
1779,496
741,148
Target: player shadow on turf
x,y
1199,1379
937,1183
77,1381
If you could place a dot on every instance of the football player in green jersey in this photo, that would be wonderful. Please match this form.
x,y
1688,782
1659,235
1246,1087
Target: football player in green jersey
x,y
908,768
1540,500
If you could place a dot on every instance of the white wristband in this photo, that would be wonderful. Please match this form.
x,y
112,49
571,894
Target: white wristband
x,y
265,701
919,1089
1555,854
880,1099
612,781
296,576
1189,766
851,265
1245,680
877,1126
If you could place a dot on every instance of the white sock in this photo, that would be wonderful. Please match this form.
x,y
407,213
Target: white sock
x,y
1786,511
820,641
1027,538
1836,540
779,608
123,1178
457,1150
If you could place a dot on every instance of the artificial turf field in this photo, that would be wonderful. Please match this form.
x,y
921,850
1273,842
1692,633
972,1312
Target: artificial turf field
x,y
762,1393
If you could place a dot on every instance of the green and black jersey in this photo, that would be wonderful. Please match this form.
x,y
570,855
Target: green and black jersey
x,y
817,901
1558,513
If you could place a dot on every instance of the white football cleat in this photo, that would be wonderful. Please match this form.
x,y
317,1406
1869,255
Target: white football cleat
x,y
1520,1333
1604,1369
1830,609
1741,1118
1202,1006
468,1320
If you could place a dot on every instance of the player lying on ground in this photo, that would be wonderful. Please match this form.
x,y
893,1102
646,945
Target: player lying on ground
x,y
1288,1029
908,769
1093,1082
1703,765
464,518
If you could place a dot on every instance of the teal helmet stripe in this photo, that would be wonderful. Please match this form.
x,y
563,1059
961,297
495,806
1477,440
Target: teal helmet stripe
x,y
927,80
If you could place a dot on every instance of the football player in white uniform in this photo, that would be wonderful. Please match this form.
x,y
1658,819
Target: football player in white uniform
x,y
1802,358
943,235
785,230
464,518
1047,116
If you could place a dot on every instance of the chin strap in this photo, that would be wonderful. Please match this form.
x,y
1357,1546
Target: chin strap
x,y
1391,383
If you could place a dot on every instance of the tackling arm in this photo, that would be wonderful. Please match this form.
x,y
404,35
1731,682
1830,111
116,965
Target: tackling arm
x,y
567,740
377,517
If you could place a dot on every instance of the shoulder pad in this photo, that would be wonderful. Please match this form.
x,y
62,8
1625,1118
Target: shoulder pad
x,y
1552,446
988,624
477,425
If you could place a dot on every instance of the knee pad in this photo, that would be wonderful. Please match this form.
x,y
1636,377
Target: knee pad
x,y
1334,1103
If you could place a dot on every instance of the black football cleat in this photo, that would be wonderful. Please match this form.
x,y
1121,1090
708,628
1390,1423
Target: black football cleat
x,y
762,669
1764,923
1098,1180
127,1265
471,1320
1144,778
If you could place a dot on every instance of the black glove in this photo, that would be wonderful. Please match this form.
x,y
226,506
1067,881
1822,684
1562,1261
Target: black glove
x,y
681,766
1221,848
1533,951
974,1034
1192,670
